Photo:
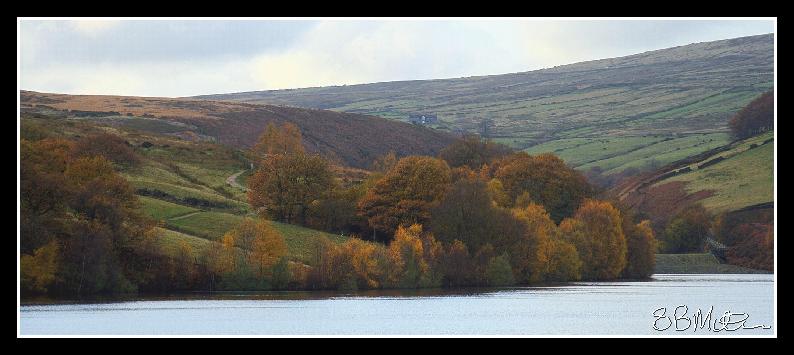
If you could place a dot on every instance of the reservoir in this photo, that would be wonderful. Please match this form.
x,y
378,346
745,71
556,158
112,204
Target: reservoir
x,y
580,308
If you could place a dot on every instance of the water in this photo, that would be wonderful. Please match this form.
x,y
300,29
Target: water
x,y
604,308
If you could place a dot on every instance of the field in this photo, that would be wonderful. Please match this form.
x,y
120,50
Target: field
x,y
745,178
205,228
728,178
704,263
614,155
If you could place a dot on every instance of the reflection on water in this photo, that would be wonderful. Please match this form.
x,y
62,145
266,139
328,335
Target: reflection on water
x,y
578,308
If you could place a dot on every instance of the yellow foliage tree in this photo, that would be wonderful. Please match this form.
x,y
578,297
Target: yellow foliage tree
x,y
267,248
405,255
38,271
596,231
532,251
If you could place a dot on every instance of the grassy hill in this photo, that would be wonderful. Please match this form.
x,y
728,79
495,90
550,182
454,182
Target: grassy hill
x,y
181,184
684,94
727,178
343,137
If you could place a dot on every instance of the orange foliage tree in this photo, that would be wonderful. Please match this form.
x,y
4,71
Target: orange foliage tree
x,y
405,194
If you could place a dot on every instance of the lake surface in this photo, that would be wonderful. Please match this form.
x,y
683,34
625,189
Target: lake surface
x,y
583,308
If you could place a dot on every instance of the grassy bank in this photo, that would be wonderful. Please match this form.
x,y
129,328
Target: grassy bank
x,y
703,263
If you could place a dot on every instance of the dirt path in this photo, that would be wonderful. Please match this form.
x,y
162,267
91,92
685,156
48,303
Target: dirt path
x,y
232,180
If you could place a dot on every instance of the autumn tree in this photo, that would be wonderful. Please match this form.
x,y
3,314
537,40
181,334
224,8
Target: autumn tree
x,y
546,180
285,140
641,250
267,248
687,230
262,243
472,151
564,262
466,213
111,146
43,191
366,269
757,117
531,250
405,194
384,163
406,257
336,212
38,271
499,272
284,186
596,232
458,266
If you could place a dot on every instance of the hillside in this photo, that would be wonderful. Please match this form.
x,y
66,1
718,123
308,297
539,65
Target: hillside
x,y
683,93
344,137
728,178
180,184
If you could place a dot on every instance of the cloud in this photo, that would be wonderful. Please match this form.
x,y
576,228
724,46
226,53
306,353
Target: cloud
x,y
182,58
93,28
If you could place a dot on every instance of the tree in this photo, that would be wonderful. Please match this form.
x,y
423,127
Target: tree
x,y
458,267
564,263
687,230
39,271
384,163
472,151
405,194
641,250
274,141
335,213
110,146
365,267
531,251
80,204
546,180
284,186
267,248
499,272
466,213
406,256
596,232
758,116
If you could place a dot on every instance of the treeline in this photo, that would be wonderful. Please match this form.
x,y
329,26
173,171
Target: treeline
x,y
757,117
442,221
477,215
79,225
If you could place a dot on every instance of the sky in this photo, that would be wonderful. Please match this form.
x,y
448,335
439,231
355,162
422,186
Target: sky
x,y
176,58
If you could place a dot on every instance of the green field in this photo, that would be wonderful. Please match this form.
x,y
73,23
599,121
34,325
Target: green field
x,y
613,155
745,178
200,228
163,210
703,263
